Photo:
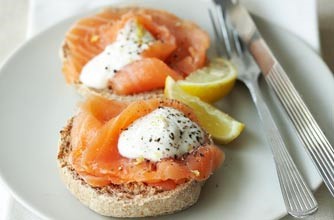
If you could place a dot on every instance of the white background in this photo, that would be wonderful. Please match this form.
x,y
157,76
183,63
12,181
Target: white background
x,y
13,27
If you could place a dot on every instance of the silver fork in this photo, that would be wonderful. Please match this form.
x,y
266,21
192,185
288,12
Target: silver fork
x,y
298,198
308,131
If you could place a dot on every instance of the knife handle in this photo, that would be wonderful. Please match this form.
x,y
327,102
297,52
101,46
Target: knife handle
x,y
309,132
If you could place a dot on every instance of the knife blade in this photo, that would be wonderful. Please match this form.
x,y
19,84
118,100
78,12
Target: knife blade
x,y
315,142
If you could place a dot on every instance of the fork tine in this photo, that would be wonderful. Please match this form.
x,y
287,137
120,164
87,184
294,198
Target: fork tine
x,y
220,30
225,34
224,30
218,38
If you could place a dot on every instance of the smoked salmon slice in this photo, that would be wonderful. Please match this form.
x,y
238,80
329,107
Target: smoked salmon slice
x,y
142,75
95,156
180,44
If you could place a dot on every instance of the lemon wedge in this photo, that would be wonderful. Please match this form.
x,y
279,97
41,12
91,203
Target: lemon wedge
x,y
211,83
221,126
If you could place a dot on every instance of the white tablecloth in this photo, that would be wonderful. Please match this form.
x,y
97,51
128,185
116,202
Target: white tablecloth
x,y
298,16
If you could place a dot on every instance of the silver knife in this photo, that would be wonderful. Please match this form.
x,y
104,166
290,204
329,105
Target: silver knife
x,y
309,132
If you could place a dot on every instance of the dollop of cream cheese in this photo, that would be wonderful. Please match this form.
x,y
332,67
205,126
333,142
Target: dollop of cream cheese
x,y
130,42
163,133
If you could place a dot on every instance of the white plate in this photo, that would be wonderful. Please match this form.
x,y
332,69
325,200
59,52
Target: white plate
x,y
35,103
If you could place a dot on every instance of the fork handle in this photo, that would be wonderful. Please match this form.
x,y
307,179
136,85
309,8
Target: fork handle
x,y
315,142
298,198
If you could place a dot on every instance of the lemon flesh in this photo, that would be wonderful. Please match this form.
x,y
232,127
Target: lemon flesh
x,y
219,125
211,83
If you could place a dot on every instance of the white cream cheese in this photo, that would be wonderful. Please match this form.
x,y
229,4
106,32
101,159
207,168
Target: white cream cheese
x,y
130,42
165,132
